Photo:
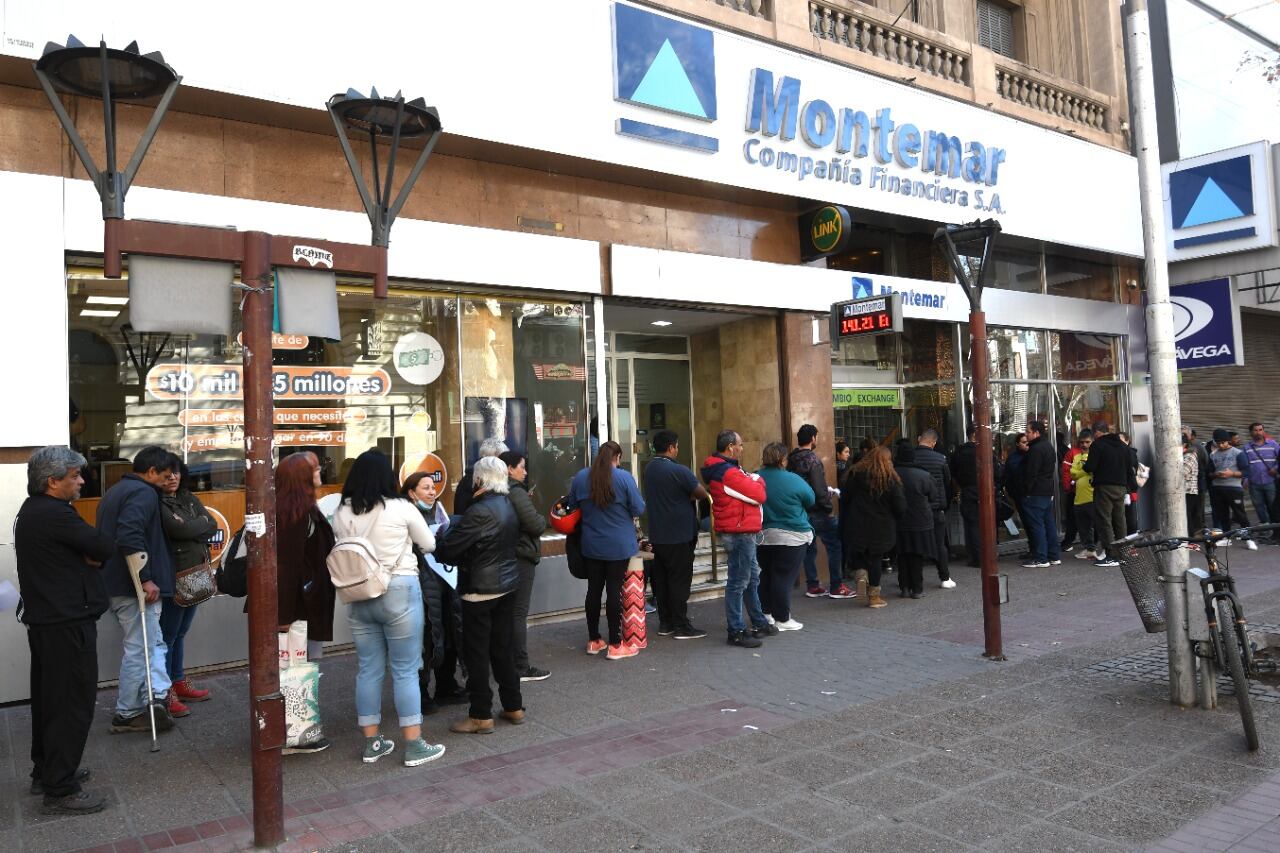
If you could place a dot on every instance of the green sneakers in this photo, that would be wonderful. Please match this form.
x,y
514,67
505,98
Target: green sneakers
x,y
375,747
420,752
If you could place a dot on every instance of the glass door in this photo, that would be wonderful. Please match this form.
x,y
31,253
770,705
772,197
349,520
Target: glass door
x,y
661,400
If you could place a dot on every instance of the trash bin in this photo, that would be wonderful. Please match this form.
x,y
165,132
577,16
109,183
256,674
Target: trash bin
x,y
1142,569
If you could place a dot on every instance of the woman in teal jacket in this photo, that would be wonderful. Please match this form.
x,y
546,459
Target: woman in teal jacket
x,y
785,535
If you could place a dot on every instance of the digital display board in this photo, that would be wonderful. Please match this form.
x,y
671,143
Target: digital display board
x,y
876,315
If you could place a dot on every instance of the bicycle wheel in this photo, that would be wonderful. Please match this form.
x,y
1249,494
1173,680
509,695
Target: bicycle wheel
x,y
1235,665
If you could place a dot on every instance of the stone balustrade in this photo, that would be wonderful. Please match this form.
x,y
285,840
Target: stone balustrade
x,y
1030,89
754,8
833,22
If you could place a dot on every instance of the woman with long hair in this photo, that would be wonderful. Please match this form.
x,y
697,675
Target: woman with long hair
x,y
871,503
610,502
304,539
784,536
482,544
442,634
388,627
187,528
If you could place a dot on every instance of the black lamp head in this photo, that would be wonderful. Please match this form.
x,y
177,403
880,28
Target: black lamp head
x,y
79,69
970,232
378,115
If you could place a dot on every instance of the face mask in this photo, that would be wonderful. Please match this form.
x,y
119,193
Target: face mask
x,y
426,506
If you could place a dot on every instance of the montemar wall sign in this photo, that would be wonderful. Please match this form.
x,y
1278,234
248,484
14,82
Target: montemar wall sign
x,y
838,139
225,382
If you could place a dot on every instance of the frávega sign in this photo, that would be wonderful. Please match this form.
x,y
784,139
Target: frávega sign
x,y
1206,324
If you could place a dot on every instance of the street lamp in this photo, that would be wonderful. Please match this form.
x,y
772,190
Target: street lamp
x,y
978,238
116,75
113,75
382,118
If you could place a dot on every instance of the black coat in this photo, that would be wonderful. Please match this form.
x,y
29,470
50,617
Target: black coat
x,y
1111,463
868,522
188,526
482,544
936,464
441,630
1040,469
51,544
804,462
532,523
130,514
921,494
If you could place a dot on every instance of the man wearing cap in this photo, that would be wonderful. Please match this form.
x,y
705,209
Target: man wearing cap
x,y
1227,470
1113,478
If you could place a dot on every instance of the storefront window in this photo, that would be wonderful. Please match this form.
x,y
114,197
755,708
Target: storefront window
x,y
872,360
1081,279
1081,406
1082,357
928,351
1015,354
1011,269
1013,405
393,382
868,252
934,407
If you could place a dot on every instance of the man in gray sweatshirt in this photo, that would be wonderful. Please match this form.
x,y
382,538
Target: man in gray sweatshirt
x,y
1227,467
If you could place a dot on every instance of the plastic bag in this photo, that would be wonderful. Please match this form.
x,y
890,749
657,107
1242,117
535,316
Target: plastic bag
x,y
300,686
293,645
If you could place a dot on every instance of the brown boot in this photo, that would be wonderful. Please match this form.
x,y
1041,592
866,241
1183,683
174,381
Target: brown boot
x,y
471,726
860,583
515,718
874,599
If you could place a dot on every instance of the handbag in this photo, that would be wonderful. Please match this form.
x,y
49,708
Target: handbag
x,y
195,585
573,555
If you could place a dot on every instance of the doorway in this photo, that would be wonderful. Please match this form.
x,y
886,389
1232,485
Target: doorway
x,y
651,393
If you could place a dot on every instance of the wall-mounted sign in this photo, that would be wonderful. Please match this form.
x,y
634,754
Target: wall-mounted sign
x,y
281,417
872,398
418,358
220,537
1220,202
877,315
824,232
206,441
1206,324
433,465
313,256
225,382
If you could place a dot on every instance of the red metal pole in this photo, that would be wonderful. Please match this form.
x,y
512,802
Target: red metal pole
x,y
267,711
986,485
111,261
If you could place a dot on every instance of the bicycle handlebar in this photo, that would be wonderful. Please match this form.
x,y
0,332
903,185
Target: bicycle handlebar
x,y
1204,537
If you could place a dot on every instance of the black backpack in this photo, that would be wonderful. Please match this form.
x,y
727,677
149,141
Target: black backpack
x,y
233,570
573,555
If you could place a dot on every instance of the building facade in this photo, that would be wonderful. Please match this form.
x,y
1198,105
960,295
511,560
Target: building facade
x,y
605,243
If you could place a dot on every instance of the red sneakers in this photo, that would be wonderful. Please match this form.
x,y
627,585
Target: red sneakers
x,y
815,590
595,647
622,650
190,693
843,591
176,708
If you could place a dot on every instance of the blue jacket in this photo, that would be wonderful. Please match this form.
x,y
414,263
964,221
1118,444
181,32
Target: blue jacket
x,y
608,533
130,515
790,497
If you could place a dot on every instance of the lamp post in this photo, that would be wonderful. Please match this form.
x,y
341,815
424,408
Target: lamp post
x,y
127,75
981,233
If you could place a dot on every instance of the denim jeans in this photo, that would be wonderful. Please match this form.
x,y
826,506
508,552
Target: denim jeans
x,y
1263,497
389,626
743,583
131,698
1042,529
175,621
828,530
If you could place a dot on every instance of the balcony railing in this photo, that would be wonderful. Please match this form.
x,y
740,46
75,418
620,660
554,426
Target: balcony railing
x,y
832,22
1063,100
754,8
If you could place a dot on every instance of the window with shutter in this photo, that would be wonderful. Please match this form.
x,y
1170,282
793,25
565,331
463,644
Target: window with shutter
x,y
995,28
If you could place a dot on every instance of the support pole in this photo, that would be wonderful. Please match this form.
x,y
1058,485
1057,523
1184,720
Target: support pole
x,y
1167,473
267,711
979,365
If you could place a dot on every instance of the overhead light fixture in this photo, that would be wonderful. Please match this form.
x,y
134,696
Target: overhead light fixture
x,y
660,323
108,300
91,312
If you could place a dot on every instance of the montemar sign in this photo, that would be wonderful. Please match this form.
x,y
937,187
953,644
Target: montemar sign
x,y
838,139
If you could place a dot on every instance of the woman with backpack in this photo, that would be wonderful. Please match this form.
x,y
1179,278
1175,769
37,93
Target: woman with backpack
x,y
373,516
610,501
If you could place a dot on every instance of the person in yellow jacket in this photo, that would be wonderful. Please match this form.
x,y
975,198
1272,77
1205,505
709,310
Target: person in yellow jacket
x,y
1083,507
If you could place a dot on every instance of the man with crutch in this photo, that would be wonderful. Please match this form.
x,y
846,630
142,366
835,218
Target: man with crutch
x,y
59,558
138,574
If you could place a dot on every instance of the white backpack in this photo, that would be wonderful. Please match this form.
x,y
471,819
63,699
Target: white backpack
x,y
354,567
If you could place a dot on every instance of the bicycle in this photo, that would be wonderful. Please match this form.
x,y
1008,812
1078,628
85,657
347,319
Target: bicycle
x,y
1228,645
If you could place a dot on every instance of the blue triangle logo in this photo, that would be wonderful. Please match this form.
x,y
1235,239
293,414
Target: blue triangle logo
x,y
1212,205
666,85
861,287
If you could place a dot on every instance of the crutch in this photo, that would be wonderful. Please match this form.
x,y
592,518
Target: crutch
x,y
136,562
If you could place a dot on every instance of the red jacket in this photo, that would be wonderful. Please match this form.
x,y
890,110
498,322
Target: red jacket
x,y
1068,484
737,497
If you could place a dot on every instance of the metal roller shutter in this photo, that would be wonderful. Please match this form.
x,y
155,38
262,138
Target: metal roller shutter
x,y
1234,397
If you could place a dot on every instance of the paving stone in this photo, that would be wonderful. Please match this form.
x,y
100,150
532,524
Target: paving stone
x,y
1165,794
1041,837
373,844
1026,794
1078,772
671,814
745,833
555,806
947,771
599,835
886,793
815,769
965,819
815,816
694,766
460,832
1117,821
898,837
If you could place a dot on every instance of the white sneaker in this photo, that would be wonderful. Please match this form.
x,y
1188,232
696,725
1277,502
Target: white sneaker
x,y
1055,562
770,618
947,584
1085,555
1032,564
1251,545
789,625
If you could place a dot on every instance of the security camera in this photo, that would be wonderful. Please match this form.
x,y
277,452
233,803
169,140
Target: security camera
x,y
1132,284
